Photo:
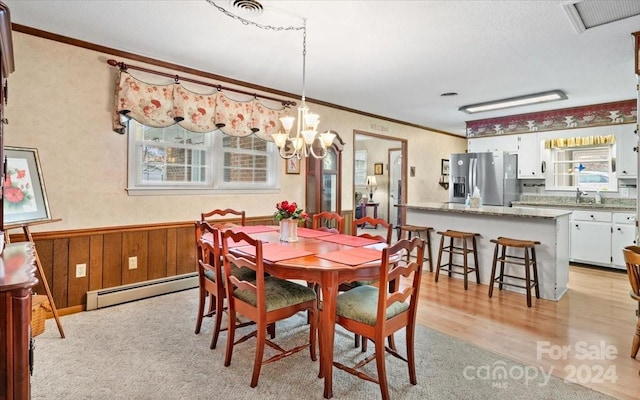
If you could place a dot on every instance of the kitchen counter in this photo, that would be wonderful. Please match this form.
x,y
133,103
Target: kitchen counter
x,y
488,210
574,205
569,202
549,227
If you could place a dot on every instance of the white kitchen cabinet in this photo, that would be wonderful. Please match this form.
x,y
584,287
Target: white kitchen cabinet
x,y
623,234
506,143
626,143
529,164
591,237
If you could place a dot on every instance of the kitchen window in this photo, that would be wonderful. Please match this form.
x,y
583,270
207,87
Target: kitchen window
x,y
173,160
587,168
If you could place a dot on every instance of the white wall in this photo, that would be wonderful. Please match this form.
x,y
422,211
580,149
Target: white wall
x,y
60,102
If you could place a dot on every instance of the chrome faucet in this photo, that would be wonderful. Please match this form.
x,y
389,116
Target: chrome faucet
x,y
579,195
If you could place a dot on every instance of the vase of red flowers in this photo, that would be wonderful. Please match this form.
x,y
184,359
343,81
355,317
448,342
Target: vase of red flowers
x,y
289,215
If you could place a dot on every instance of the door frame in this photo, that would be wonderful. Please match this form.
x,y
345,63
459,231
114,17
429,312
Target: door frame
x,y
404,168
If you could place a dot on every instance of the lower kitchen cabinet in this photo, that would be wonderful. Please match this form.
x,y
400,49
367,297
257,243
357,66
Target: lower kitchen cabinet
x,y
623,234
591,237
598,237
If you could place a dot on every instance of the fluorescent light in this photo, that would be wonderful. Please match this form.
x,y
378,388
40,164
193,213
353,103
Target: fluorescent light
x,y
525,100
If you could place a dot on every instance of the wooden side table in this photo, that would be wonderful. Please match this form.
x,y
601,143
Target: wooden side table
x,y
363,210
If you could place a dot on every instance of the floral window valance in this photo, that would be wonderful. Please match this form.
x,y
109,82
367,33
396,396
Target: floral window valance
x,y
579,141
162,105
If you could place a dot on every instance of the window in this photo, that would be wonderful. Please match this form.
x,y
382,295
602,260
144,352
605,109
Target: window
x,y
589,168
360,166
174,159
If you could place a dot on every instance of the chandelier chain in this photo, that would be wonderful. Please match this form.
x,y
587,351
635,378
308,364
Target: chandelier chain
x,y
248,22
304,57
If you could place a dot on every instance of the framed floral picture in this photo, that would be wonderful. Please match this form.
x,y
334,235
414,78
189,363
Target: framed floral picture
x,y
25,198
293,165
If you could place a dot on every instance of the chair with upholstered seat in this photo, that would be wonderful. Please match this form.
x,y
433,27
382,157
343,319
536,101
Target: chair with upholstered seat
x,y
328,221
632,259
383,239
264,300
376,313
210,278
217,219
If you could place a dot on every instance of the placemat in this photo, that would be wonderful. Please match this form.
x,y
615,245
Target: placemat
x,y
312,233
348,240
355,256
275,252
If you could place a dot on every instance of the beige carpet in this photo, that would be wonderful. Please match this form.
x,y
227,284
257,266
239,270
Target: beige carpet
x,y
147,350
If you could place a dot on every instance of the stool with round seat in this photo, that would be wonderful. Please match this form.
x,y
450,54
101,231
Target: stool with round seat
x,y
463,244
528,261
424,233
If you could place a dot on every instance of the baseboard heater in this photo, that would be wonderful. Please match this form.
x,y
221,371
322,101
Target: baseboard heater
x,y
137,291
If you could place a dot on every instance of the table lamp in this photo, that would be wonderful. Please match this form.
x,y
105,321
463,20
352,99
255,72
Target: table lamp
x,y
372,185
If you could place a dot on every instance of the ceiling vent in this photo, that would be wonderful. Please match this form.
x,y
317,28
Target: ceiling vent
x,y
247,7
588,14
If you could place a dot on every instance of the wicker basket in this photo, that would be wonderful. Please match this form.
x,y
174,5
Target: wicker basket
x,y
39,308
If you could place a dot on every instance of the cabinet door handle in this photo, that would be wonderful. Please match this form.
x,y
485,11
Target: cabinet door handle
x,y
591,216
577,226
543,167
619,229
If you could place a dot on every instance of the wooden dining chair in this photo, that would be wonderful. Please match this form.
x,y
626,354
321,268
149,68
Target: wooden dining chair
x,y
382,238
632,259
214,216
264,300
210,278
328,221
376,313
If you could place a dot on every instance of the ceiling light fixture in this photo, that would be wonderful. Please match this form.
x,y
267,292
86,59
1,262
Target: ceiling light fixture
x,y
529,99
301,144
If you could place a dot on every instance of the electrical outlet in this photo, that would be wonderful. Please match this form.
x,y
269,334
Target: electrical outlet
x,y
81,270
624,192
133,262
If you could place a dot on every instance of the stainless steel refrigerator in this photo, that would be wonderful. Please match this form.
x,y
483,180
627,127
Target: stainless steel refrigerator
x,y
495,175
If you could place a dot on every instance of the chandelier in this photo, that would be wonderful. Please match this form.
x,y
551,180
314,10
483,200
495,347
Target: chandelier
x,y
302,143
305,141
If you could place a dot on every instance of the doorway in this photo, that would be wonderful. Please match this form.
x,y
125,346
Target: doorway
x,y
384,158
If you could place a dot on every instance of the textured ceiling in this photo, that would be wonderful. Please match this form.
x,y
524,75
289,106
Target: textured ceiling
x,y
389,58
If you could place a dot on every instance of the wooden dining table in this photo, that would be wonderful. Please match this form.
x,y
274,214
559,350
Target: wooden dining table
x,y
314,258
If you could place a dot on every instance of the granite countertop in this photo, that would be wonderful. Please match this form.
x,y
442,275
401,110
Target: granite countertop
x,y
541,213
612,204
589,206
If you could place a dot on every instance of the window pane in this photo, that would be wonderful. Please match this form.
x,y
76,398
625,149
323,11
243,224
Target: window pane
x,y
584,167
173,157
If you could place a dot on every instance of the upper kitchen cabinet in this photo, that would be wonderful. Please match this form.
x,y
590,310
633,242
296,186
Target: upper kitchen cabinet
x,y
508,143
530,165
627,145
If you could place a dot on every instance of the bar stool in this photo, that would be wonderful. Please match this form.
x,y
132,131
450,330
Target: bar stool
x,y
528,261
419,231
461,248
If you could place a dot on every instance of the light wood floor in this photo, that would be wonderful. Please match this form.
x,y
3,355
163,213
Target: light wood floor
x,y
596,311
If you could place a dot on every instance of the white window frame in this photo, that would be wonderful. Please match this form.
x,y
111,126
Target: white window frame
x,y
610,186
212,145
360,167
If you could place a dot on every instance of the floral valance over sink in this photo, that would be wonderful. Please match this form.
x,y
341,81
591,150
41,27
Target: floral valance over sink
x,y
162,105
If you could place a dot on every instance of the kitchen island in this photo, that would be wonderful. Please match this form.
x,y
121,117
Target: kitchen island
x,y
549,227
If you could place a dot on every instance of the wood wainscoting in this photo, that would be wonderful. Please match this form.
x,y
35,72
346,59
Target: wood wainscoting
x,y
162,250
